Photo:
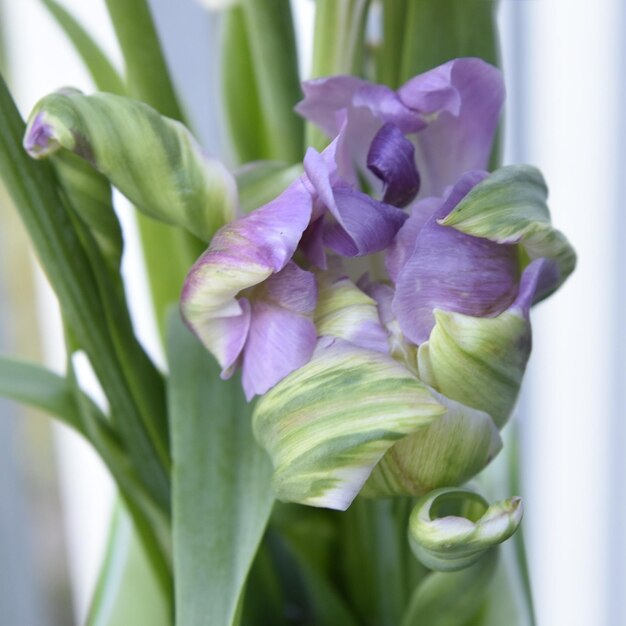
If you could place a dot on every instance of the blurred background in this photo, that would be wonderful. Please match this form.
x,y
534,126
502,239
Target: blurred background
x,y
565,67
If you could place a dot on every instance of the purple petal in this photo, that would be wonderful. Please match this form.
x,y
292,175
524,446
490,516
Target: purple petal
x,y
242,254
361,225
324,97
282,335
37,140
312,244
461,137
538,278
403,245
391,158
455,272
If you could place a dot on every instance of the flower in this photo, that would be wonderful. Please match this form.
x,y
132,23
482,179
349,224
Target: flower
x,y
396,380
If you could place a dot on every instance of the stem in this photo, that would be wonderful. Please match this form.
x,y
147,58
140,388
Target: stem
x,y
146,70
272,42
338,47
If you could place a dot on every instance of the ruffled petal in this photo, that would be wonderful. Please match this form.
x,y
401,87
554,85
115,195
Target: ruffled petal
x,y
327,424
465,96
282,334
510,207
403,244
481,361
242,254
346,312
455,273
361,225
391,158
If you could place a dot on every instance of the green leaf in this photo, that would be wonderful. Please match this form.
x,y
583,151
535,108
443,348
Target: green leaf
x,y
38,387
328,423
147,75
127,591
104,75
272,43
509,207
152,160
90,195
221,485
84,289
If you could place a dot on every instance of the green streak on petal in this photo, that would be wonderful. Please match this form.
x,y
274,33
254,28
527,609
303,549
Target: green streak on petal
x,y
509,207
328,423
451,529
152,160
479,362
450,451
342,308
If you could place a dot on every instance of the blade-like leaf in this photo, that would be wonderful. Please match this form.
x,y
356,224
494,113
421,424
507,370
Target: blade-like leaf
x,y
127,591
104,75
221,485
38,387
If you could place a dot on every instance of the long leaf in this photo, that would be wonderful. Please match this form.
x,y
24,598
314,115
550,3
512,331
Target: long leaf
x,y
127,591
221,485
71,273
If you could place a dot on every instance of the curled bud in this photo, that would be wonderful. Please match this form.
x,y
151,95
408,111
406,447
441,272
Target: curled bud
x,y
154,161
450,529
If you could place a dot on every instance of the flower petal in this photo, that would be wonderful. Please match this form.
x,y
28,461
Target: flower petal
x,y
282,334
242,254
344,311
481,361
327,424
391,158
510,207
450,451
361,225
467,104
452,271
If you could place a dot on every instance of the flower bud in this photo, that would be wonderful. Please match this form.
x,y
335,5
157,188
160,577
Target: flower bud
x,y
152,160
450,529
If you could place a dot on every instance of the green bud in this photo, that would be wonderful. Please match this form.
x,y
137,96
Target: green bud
x,y
154,161
450,529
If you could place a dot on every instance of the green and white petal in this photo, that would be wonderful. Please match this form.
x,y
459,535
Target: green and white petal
x,y
154,161
509,207
450,451
327,424
478,361
346,312
450,529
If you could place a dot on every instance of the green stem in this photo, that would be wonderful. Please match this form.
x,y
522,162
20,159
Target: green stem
x,y
146,70
33,188
338,47
389,55
272,41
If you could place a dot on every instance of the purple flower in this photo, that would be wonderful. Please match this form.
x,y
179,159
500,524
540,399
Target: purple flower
x,y
450,113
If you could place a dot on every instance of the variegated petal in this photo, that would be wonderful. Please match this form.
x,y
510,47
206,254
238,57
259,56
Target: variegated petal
x,y
327,424
509,207
450,529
